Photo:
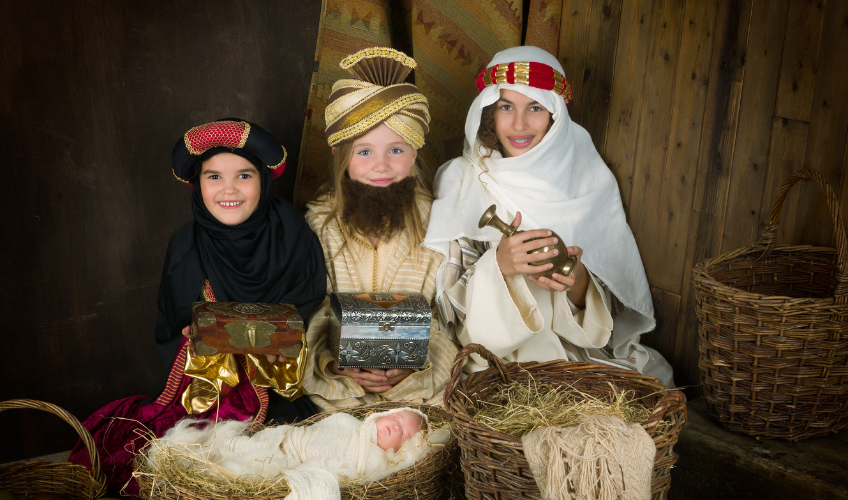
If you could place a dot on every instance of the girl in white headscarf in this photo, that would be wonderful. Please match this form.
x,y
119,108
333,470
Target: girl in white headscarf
x,y
524,154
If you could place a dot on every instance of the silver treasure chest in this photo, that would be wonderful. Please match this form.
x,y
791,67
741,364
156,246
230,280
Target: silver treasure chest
x,y
380,330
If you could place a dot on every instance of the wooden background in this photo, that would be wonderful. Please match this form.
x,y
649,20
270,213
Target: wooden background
x,y
700,107
93,96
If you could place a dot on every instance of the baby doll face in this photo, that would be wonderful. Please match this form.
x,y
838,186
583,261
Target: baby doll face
x,y
395,429
520,122
381,157
231,188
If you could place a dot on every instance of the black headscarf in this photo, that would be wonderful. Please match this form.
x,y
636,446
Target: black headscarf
x,y
272,257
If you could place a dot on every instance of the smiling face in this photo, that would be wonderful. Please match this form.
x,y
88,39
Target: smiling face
x,y
397,428
231,188
520,122
381,157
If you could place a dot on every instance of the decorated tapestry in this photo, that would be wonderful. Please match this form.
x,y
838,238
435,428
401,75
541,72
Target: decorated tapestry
x,y
451,40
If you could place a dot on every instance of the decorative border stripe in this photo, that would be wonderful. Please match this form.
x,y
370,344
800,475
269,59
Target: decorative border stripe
x,y
175,378
533,74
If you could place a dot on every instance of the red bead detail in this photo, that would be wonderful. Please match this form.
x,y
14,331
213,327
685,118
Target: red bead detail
x,y
216,134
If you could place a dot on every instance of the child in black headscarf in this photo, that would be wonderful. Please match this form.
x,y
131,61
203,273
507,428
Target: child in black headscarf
x,y
244,245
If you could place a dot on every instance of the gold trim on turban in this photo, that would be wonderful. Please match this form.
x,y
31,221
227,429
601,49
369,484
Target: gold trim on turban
x,y
378,96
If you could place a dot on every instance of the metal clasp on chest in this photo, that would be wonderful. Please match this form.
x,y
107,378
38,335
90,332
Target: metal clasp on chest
x,y
386,326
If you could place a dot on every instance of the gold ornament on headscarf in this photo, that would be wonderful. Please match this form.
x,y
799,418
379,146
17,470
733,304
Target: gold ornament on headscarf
x,y
377,96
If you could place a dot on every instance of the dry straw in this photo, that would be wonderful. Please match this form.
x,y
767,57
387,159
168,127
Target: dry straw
x,y
522,407
493,461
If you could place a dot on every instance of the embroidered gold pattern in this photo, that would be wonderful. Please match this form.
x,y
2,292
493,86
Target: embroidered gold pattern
x,y
372,52
375,90
285,155
405,131
179,179
244,135
365,124
498,74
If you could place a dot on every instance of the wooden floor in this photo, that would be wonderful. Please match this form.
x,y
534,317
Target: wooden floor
x,y
714,463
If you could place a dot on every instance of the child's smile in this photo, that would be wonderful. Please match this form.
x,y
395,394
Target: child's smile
x,y
231,188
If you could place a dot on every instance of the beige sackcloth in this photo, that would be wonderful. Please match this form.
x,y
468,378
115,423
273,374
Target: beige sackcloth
x,y
601,458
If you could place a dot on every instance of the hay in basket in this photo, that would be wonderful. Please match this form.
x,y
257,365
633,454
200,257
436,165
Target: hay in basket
x,y
493,462
62,478
177,478
773,331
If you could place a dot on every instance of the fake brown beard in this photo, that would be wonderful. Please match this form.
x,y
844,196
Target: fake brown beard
x,y
377,211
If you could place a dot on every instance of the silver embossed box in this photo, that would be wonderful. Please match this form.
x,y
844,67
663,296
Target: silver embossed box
x,y
380,330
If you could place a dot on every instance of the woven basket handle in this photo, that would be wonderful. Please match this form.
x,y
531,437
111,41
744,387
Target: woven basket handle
x,y
669,402
770,232
67,417
459,361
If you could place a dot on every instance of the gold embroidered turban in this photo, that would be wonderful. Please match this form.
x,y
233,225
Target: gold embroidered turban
x,y
378,96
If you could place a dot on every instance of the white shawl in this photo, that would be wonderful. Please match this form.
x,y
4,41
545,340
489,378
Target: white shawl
x,y
562,184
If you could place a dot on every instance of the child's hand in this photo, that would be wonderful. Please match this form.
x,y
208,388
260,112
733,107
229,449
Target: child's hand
x,y
370,379
186,333
273,358
575,285
512,253
397,375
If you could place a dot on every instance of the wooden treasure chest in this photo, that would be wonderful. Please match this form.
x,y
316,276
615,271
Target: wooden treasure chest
x,y
380,330
246,328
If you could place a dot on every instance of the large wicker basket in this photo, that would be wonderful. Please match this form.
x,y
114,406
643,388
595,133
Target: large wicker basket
x,y
773,332
63,478
494,465
425,480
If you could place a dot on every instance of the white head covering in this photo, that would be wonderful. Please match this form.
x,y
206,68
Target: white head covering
x,y
561,184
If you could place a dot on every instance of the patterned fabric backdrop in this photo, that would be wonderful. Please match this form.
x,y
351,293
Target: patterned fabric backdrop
x,y
452,41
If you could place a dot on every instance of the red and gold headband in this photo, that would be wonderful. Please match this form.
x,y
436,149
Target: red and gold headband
x,y
534,74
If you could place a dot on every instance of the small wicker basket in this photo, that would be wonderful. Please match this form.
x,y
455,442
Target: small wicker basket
x,y
62,478
494,464
773,332
425,480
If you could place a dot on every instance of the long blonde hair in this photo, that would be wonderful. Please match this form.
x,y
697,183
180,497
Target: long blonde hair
x,y
415,221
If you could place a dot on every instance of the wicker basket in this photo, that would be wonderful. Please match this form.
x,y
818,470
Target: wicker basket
x,y
772,323
494,465
426,479
63,478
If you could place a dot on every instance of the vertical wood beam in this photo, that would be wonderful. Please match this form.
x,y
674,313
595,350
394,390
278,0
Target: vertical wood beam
x,y
750,157
727,72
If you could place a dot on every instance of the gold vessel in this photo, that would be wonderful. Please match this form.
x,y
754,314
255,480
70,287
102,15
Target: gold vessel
x,y
563,262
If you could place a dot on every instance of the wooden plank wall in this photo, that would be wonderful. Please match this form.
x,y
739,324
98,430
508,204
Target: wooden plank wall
x,y
702,108
93,96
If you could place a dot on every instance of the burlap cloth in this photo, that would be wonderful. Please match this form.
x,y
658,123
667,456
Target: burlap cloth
x,y
601,458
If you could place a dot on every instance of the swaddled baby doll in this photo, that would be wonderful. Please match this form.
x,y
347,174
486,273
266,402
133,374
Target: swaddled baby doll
x,y
337,447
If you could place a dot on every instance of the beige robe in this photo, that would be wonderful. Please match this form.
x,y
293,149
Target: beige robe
x,y
519,321
393,266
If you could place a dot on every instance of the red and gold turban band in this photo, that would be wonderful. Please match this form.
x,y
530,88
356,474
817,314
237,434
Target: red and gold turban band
x,y
231,134
534,74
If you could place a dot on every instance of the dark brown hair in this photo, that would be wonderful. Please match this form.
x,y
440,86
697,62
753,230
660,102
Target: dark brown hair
x,y
486,133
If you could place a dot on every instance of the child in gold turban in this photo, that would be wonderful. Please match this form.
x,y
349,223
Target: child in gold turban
x,y
371,218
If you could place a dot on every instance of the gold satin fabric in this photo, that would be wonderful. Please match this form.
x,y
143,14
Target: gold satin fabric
x,y
214,376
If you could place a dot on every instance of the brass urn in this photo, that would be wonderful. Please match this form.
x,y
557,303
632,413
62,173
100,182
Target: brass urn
x,y
563,262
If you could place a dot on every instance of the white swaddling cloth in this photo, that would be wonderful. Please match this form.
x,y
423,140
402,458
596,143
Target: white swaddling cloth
x,y
312,458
